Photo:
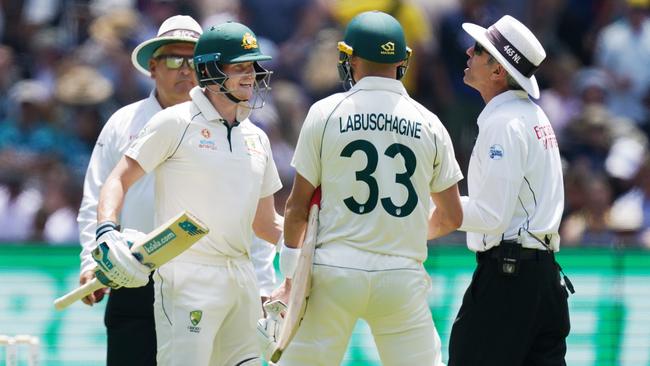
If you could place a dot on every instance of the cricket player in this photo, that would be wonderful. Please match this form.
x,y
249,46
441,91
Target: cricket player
x,y
129,315
380,158
515,310
208,158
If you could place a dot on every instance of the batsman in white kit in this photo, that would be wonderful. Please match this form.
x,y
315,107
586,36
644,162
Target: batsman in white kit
x,y
209,159
380,159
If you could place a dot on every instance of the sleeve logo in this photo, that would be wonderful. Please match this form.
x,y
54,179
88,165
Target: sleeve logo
x,y
496,152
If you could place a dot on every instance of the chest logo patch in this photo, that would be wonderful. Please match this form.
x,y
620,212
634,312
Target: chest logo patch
x,y
496,152
205,133
253,145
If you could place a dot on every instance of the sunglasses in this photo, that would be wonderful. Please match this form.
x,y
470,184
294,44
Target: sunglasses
x,y
174,62
478,49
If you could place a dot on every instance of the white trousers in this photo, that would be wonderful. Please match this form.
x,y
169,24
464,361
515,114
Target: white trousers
x,y
392,302
206,314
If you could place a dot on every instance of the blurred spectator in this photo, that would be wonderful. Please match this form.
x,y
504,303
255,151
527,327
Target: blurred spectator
x,y
19,204
633,208
8,77
58,213
590,225
289,24
29,133
623,50
592,85
559,101
82,91
591,135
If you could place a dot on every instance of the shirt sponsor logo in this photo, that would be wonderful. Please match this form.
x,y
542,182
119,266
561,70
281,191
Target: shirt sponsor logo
x,y
496,152
207,144
546,135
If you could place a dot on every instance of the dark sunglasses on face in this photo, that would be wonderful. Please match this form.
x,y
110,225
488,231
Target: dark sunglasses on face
x,y
174,62
478,49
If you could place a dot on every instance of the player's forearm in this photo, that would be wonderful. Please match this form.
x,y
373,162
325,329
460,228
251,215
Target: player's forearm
x,y
295,223
267,224
441,225
111,200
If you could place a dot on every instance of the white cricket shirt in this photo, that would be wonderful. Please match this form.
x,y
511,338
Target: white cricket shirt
x,y
514,177
216,172
116,136
378,155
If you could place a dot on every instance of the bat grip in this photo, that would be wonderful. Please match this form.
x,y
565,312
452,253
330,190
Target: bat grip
x,y
77,294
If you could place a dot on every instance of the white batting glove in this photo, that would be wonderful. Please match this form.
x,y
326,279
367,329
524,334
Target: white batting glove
x,y
268,329
117,265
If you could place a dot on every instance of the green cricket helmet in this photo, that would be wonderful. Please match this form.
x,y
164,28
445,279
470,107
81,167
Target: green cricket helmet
x,y
228,43
376,37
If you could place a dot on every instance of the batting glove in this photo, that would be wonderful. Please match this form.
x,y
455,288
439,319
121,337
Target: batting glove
x,y
117,265
268,329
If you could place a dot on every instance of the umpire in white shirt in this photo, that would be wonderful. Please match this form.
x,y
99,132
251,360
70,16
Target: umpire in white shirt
x,y
515,311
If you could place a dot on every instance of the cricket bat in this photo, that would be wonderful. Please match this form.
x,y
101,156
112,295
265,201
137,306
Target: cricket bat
x,y
155,249
301,282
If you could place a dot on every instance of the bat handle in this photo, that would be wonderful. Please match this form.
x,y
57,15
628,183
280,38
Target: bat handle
x,y
77,294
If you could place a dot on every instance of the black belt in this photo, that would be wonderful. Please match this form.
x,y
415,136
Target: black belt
x,y
526,254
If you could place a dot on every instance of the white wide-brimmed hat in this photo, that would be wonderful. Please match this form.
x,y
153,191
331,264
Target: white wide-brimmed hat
x,y
179,28
515,47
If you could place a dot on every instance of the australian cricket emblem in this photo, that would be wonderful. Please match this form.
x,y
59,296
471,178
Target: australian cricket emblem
x,y
248,41
195,319
253,145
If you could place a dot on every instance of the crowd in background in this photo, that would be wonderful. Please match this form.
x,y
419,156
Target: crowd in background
x,y
66,67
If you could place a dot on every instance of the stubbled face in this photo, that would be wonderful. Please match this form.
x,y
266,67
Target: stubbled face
x,y
479,69
241,79
173,85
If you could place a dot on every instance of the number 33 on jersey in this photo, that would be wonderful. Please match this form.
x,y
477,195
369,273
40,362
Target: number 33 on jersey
x,y
378,155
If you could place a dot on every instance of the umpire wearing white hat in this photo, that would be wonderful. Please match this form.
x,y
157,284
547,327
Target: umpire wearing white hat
x,y
515,310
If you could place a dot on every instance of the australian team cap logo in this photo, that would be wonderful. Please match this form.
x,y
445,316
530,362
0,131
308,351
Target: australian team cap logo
x,y
248,41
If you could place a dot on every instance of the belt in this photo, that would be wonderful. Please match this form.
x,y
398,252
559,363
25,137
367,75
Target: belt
x,y
526,253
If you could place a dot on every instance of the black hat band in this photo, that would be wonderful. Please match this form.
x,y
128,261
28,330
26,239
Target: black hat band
x,y
511,53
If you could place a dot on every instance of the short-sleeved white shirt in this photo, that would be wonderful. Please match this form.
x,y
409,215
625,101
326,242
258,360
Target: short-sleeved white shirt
x,y
204,166
377,155
515,176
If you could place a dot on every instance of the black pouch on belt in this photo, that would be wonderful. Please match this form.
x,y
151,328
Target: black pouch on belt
x,y
509,257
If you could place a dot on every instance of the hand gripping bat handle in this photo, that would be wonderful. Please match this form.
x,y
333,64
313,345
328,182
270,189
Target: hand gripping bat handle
x,y
78,294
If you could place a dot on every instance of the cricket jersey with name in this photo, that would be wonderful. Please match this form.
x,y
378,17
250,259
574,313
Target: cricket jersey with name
x,y
378,155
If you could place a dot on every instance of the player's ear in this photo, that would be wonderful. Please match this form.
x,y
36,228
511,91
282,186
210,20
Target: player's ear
x,y
499,72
